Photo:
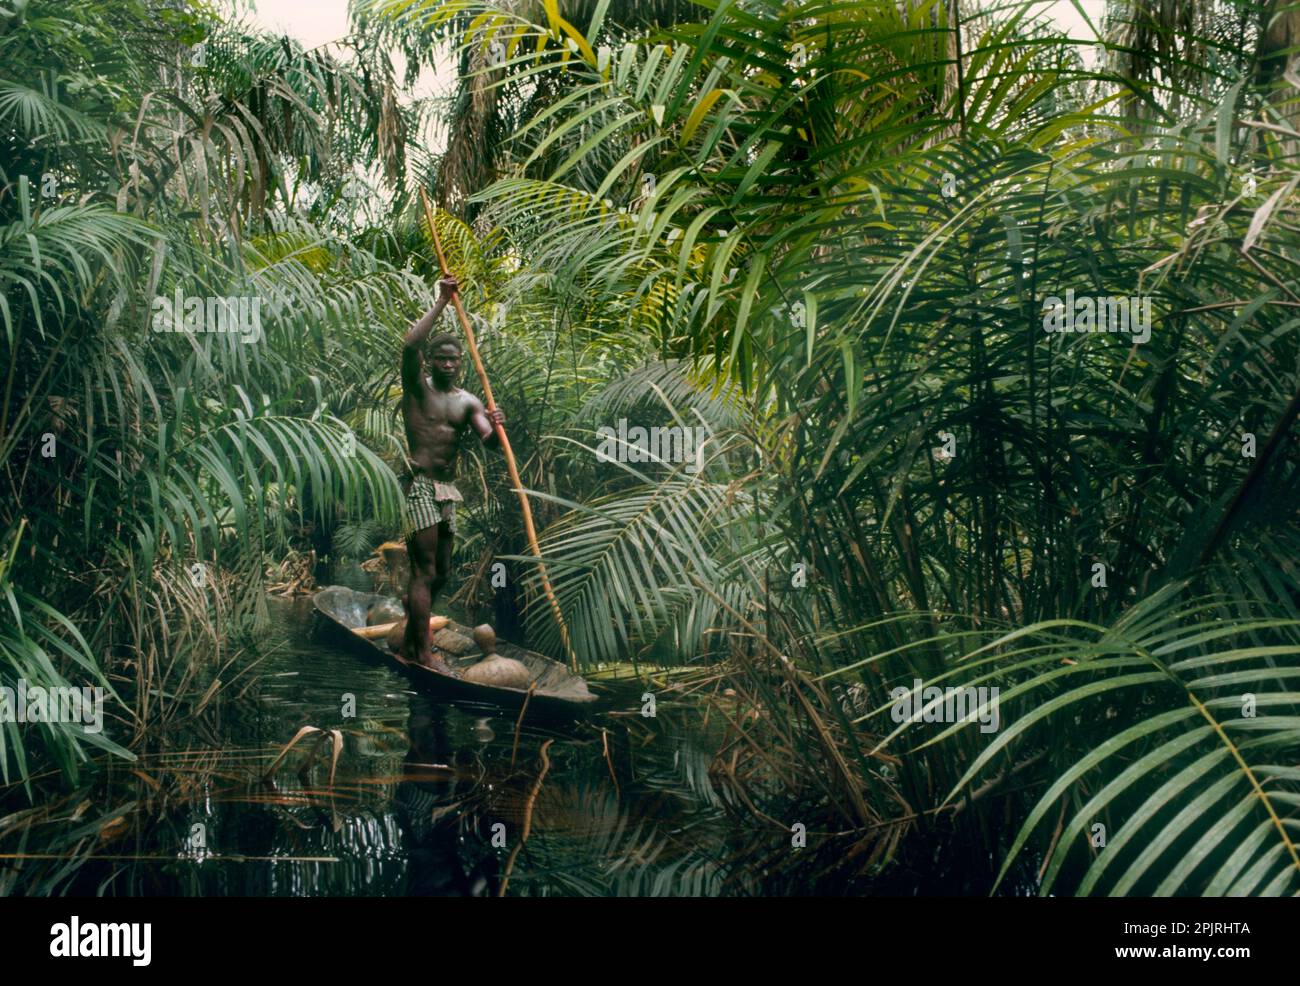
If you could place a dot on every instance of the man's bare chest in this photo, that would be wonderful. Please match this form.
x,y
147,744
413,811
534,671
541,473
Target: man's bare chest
x,y
439,409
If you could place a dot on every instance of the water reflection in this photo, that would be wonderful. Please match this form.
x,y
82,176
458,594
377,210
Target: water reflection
x,y
428,799
447,852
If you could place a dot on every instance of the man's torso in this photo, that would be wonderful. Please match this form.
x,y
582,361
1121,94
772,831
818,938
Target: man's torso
x,y
435,422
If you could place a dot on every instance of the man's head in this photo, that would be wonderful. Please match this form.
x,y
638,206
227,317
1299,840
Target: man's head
x,y
444,358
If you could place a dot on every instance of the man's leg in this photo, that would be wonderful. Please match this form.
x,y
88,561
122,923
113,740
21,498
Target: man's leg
x,y
424,552
442,559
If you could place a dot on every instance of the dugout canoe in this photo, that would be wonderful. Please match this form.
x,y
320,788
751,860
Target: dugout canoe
x,y
557,690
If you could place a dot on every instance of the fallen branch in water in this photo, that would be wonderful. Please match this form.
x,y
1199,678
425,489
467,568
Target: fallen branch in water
x,y
336,736
519,723
604,739
528,818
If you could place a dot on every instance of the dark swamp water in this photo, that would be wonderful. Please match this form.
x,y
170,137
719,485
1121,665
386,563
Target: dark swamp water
x,y
428,798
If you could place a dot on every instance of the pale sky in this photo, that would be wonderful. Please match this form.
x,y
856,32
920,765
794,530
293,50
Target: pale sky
x,y
313,22
318,22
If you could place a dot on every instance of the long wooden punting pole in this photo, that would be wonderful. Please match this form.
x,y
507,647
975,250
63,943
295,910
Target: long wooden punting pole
x,y
501,437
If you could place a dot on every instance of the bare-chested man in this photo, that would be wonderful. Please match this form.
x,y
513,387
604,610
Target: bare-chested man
x,y
436,413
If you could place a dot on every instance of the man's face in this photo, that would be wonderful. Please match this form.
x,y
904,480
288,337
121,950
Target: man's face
x,y
446,362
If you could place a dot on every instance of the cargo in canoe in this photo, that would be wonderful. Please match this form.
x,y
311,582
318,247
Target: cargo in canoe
x,y
556,689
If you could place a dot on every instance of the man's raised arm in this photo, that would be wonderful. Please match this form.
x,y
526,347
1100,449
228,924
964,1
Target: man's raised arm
x,y
412,365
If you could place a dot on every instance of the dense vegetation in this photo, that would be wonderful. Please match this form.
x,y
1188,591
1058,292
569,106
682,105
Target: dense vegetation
x,y
821,235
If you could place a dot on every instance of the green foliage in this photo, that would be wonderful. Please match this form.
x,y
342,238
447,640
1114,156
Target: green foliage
x,y
825,235
150,154
857,216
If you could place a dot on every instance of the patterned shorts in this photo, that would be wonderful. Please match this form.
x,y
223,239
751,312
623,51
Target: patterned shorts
x,y
429,502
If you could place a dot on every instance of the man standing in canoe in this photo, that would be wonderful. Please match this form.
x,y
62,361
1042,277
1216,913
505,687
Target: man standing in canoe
x,y
436,413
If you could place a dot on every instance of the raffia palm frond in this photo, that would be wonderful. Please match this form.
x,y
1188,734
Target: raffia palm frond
x,y
861,236
150,469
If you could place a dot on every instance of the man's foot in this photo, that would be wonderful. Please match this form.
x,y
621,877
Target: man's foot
x,y
434,663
